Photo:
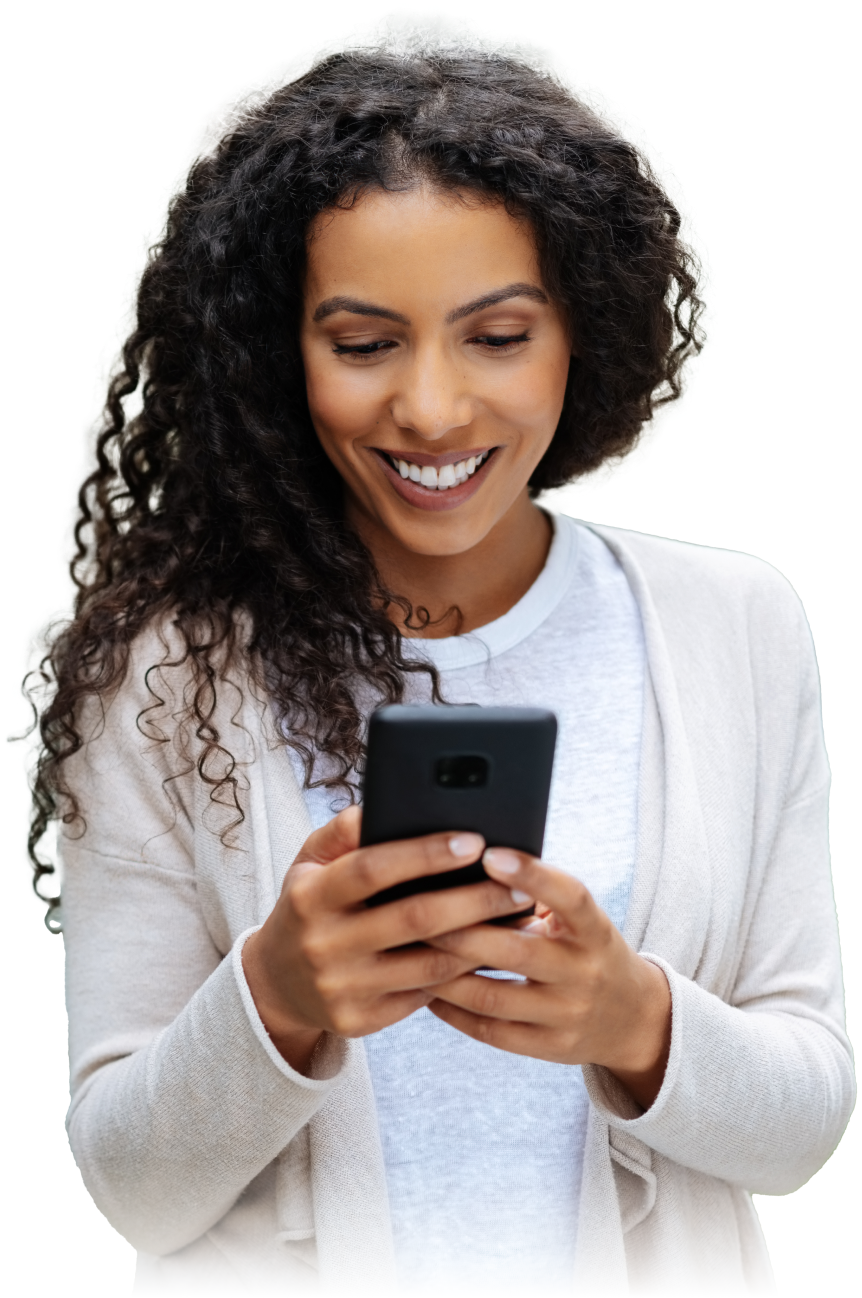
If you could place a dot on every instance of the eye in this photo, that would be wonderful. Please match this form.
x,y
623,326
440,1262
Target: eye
x,y
363,349
500,342
492,342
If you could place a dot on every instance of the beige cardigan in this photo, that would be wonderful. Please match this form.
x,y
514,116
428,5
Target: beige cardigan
x,y
224,1167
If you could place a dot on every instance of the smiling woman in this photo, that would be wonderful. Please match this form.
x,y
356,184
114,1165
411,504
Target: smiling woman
x,y
402,297
418,402
220,494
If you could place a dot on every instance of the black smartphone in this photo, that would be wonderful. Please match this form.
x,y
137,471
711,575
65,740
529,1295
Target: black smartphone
x,y
436,768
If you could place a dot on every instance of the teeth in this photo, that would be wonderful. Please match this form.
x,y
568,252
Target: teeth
x,y
449,475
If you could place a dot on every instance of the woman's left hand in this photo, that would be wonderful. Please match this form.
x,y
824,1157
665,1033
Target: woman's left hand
x,y
589,997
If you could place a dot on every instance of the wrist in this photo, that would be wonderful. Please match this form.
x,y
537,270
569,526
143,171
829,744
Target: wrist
x,y
295,1044
277,1022
641,1067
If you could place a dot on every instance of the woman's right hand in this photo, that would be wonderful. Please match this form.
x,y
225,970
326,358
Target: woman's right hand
x,y
324,962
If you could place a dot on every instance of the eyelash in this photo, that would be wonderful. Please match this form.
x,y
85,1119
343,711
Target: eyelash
x,y
494,341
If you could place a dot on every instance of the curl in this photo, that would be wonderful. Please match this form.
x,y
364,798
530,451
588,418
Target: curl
x,y
214,506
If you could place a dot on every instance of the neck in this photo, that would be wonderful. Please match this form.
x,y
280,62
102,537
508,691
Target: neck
x,y
462,591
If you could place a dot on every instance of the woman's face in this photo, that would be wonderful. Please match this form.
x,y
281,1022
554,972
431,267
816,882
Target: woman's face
x,y
435,362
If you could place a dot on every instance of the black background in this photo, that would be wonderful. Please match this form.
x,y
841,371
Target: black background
x,y
765,461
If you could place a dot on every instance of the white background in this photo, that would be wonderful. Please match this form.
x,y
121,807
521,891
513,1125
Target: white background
x,y
797,178
797,293
57,1241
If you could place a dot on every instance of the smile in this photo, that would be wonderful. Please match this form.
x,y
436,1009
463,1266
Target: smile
x,y
448,475
436,486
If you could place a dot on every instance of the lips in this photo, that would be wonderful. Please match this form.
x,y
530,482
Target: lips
x,y
422,460
432,499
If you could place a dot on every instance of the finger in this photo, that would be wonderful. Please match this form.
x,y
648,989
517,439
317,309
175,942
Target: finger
x,y
337,837
421,970
567,897
520,950
495,998
516,1038
427,915
360,874
533,923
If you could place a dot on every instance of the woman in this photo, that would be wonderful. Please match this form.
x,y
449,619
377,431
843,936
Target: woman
x,y
403,297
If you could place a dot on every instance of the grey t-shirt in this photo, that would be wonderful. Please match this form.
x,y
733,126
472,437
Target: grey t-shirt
x,y
483,1149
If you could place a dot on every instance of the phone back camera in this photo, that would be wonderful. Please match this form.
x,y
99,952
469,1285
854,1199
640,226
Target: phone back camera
x,y
466,771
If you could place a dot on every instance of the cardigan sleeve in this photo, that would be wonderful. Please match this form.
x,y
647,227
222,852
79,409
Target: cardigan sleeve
x,y
179,1099
759,1085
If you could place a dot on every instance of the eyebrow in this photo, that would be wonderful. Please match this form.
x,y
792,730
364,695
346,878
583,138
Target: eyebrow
x,y
355,306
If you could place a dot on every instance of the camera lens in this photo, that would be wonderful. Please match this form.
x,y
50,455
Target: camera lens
x,y
462,771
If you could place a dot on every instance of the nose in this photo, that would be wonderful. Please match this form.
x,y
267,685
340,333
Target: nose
x,y
432,398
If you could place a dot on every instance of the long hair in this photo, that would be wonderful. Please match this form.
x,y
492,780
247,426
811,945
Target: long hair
x,y
214,505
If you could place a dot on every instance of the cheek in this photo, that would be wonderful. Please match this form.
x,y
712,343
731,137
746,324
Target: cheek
x,y
533,399
340,407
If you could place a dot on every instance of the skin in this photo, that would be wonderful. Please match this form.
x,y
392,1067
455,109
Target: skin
x,y
433,391
428,335
589,998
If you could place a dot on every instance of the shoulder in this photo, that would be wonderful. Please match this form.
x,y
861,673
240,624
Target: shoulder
x,y
172,651
172,643
168,670
733,632
706,588
177,717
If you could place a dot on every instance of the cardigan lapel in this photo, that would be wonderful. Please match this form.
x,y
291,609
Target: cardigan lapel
x,y
712,707
668,915
671,900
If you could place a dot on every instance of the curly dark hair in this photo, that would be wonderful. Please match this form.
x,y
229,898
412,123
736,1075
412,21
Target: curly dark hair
x,y
215,506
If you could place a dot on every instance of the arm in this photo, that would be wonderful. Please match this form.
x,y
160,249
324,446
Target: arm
x,y
644,1077
179,1098
759,1084
295,1045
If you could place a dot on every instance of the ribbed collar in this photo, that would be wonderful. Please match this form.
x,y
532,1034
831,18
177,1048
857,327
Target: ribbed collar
x,y
546,592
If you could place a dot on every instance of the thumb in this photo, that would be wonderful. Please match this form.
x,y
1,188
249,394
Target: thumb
x,y
334,839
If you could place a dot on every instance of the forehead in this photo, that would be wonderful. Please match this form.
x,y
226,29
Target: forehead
x,y
418,243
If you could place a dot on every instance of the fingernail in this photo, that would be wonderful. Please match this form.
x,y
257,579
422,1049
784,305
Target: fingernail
x,y
501,861
466,845
520,897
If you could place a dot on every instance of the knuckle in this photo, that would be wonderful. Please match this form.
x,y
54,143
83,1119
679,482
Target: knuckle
x,y
607,933
346,1021
301,896
330,986
484,1031
501,899
415,915
438,966
580,898
487,998
315,948
594,979
366,875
